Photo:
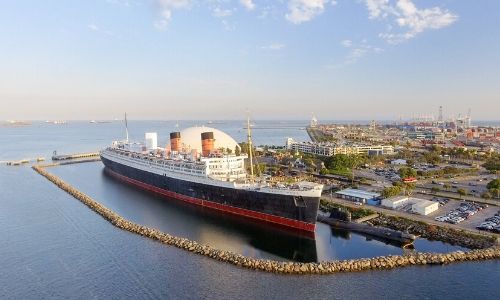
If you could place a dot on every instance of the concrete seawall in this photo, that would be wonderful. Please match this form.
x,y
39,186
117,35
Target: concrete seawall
x,y
328,267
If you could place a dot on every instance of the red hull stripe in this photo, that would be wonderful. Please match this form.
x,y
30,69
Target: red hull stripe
x,y
221,207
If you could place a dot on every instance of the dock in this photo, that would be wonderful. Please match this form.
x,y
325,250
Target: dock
x,y
22,161
74,156
380,232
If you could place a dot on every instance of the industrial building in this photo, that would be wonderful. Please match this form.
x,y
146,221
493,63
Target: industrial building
x,y
357,195
425,135
395,202
424,207
329,149
419,206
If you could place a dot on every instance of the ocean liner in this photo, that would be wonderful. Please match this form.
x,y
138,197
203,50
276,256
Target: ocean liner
x,y
200,171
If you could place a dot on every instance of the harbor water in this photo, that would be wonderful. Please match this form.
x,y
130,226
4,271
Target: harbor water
x,y
55,247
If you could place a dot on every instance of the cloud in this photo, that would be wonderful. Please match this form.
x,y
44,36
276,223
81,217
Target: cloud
x,y
126,3
300,11
409,19
356,52
346,43
360,51
379,8
248,4
95,28
419,20
228,26
273,46
221,13
166,7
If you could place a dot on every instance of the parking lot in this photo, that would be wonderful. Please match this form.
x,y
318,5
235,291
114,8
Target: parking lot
x,y
464,211
472,221
469,211
491,224
473,185
469,224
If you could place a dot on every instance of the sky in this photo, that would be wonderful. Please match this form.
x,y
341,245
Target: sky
x,y
279,59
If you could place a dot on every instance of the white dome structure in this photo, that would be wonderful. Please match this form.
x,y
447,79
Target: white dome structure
x,y
191,138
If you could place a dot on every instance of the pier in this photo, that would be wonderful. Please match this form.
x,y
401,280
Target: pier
x,y
74,156
265,265
22,161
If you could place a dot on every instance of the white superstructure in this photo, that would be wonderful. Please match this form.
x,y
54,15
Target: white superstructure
x,y
224,171
151,140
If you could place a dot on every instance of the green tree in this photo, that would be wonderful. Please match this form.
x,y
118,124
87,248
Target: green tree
x,y
462,192
494,184
486,195
391,191
243,147
432,157
406,172
261,168
434,190
237,151
409,187
492,164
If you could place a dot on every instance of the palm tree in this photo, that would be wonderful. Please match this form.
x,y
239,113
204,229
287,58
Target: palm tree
x,y
462,192
409,187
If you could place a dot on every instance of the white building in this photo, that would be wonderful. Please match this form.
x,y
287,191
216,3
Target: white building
x,y
419,206
329,149
395,202
424,207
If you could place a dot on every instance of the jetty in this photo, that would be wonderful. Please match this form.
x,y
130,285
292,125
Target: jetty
x,y
22,161
74,156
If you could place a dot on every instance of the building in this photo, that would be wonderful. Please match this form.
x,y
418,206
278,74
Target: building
x,y
309,147
398,162
419,206
424,207
329,149
357,195
426,135
395,202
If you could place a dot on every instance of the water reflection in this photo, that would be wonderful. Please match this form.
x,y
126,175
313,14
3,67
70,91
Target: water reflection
x,y
225,231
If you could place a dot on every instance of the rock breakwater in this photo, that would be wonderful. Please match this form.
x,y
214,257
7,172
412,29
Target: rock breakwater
x,y
328,267
438,233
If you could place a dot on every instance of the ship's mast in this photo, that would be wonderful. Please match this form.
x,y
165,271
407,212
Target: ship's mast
x,y
249,135
126,128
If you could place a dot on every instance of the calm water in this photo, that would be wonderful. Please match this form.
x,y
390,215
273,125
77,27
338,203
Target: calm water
x,y
54,247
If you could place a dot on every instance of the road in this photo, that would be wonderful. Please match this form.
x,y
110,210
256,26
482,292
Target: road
x,y
445,194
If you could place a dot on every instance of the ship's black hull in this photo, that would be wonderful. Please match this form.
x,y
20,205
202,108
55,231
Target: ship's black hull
x,y
285,210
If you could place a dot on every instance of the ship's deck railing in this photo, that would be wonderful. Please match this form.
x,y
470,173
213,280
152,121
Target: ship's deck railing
x,y
161,163
303,186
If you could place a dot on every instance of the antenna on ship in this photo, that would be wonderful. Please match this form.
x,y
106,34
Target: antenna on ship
x,y
126,128
249,136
